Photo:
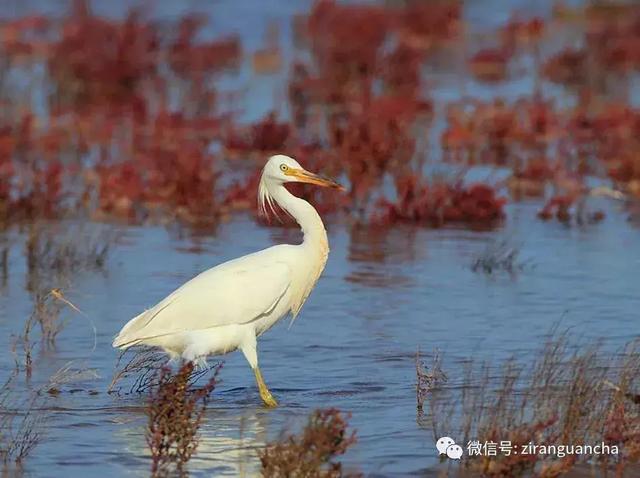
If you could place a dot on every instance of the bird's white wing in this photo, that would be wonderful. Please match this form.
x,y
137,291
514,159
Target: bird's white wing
x,y
236,292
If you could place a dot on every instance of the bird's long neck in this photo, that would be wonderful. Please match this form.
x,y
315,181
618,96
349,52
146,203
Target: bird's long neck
x,y
315,243
315,235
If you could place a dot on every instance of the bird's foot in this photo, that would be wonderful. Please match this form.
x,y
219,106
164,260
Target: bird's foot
x,y
265,394
268,399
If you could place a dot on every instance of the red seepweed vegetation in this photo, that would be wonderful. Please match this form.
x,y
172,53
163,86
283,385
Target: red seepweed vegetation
x,y
371,132
312,453
267,136
441,203
175,412
112,145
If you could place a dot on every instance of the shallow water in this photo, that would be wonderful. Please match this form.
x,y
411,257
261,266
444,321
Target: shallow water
x,y
383,295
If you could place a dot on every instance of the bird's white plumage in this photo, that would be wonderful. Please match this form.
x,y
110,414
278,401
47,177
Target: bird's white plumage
x,y
228,306
211,299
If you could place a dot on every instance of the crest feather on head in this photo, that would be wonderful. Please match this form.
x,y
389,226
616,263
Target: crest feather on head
x,y
265,202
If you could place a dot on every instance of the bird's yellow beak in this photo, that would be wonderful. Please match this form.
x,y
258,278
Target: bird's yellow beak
x,y
303,176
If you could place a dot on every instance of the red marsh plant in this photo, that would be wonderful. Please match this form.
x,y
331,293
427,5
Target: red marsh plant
x,y
196,64
367,132
499,133
111,82
570,202
439,203
610,46
568,67
313,452
112,147
427,25
170,173
531,178
33,185
175,412
376,141
492,64
100,62
546,147
345,41
197,61
612,35
400,70
264,137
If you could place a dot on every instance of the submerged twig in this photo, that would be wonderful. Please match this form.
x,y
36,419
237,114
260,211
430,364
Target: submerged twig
x,y
499,257
427,380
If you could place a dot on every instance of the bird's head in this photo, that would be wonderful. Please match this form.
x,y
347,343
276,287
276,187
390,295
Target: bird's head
x,y
282,169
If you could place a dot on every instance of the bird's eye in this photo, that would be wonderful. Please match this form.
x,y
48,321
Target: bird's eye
x,y
283,167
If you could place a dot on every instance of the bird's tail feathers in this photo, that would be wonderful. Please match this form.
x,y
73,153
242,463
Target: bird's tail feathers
x,y
124,342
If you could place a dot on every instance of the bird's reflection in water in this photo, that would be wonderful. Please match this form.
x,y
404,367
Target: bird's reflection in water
x,y
228,446
377,255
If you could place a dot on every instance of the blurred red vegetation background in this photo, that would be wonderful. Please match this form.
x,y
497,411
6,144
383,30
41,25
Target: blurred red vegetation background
x,y
112,145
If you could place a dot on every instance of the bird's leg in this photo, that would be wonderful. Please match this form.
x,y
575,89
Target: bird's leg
x,y
265,394
249,350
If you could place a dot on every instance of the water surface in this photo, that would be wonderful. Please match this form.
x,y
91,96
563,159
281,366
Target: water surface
x,y
383,295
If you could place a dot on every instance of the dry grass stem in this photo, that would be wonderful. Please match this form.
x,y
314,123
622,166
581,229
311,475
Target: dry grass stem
x,y
499,256
427,379
22,420
142,364
571,394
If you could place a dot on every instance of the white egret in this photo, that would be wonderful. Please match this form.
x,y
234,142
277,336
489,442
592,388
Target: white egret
x,y
227,307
